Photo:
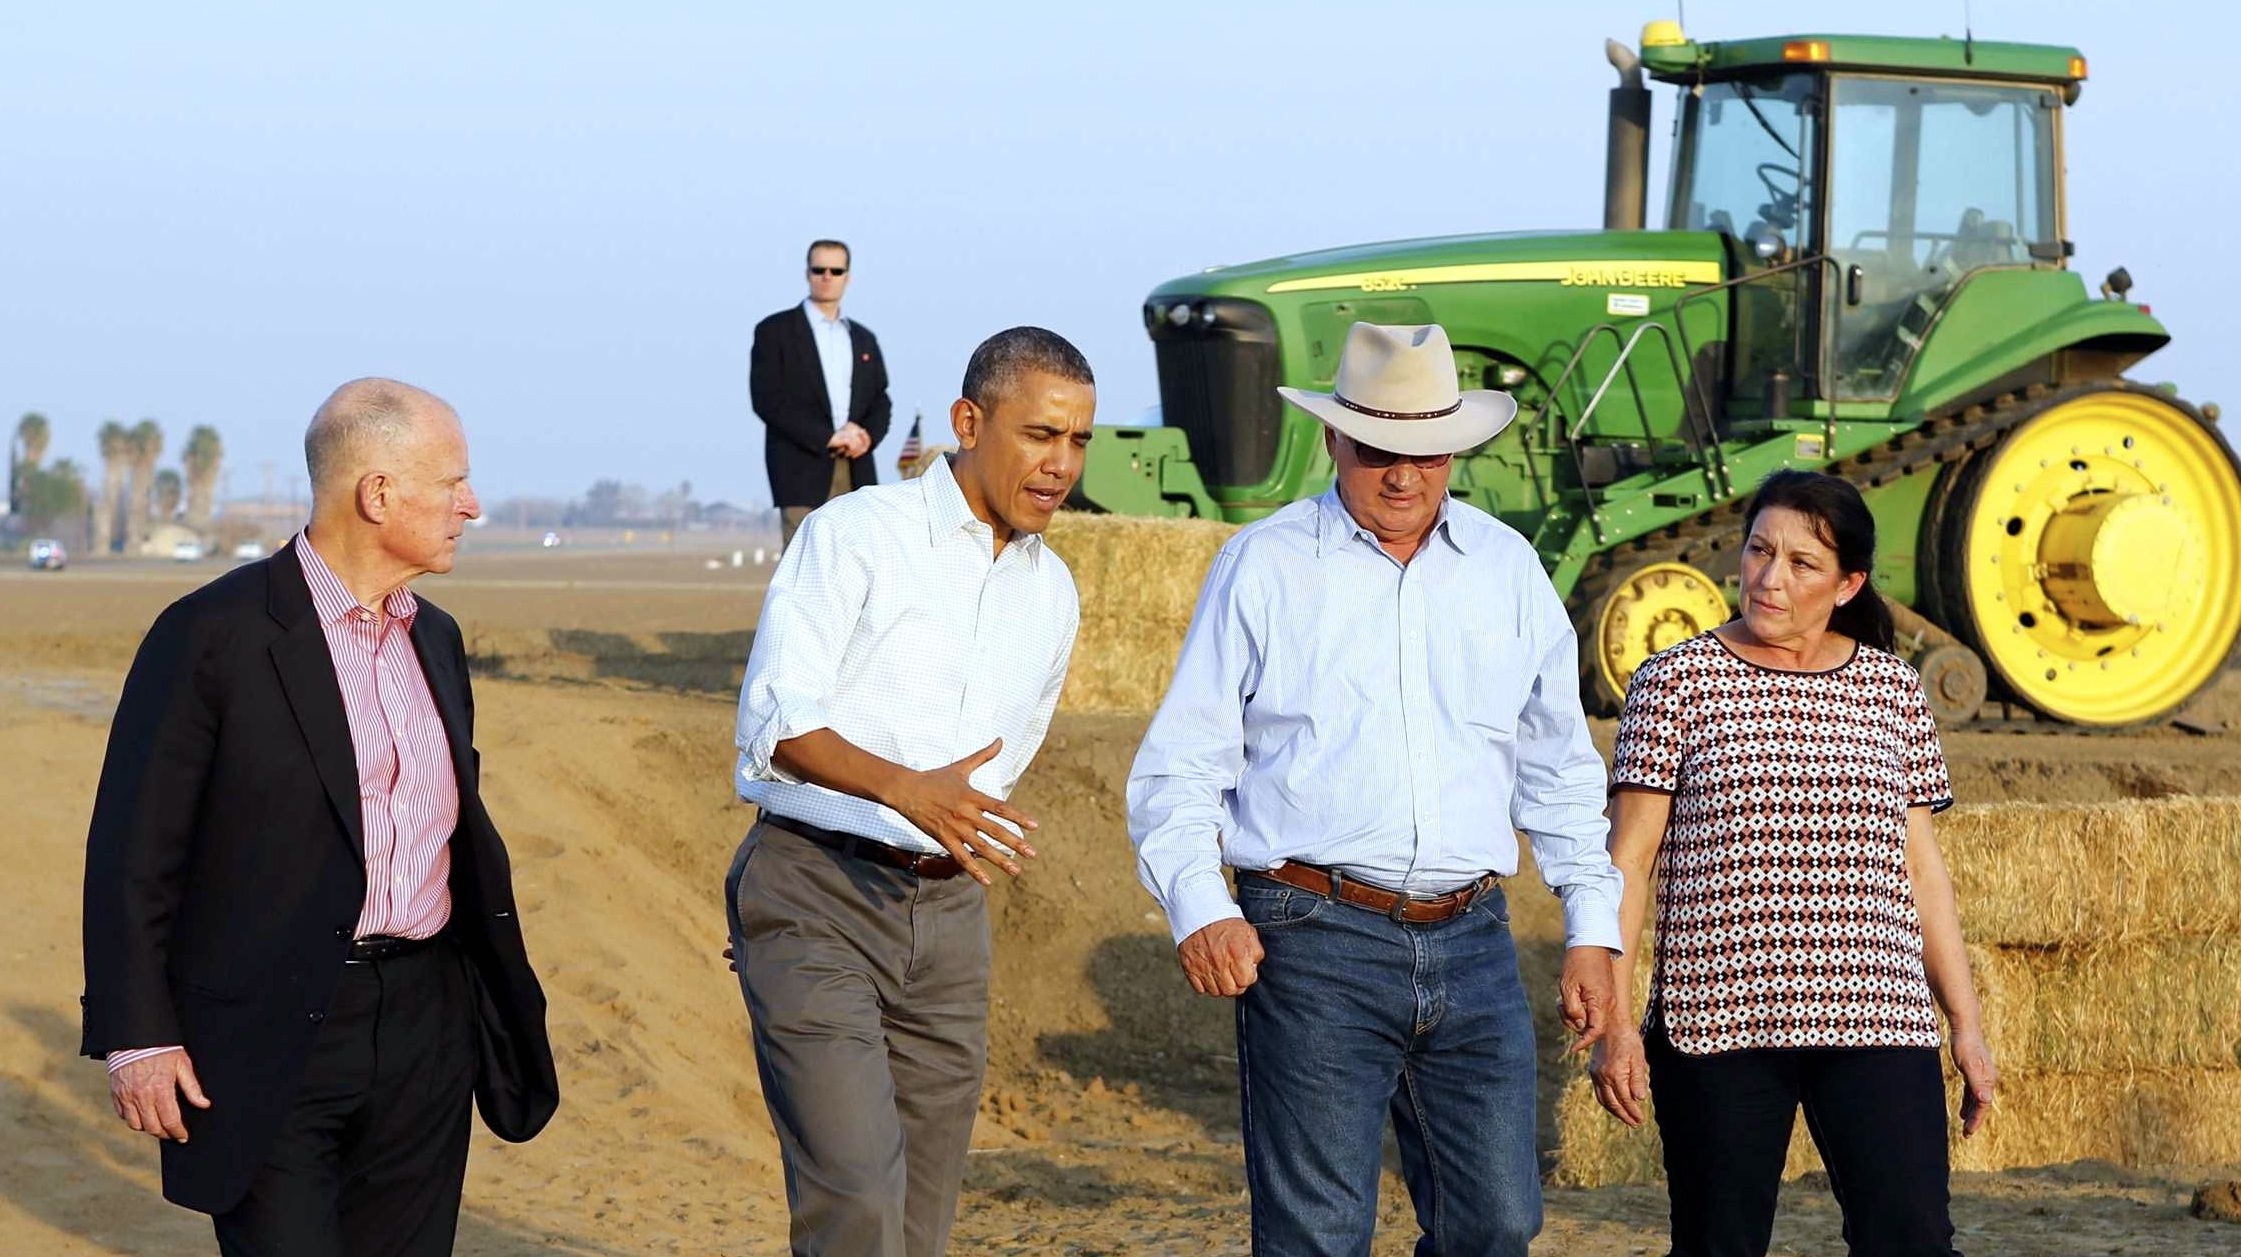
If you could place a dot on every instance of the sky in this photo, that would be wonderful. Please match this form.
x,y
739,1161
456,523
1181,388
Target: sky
x,y
566,218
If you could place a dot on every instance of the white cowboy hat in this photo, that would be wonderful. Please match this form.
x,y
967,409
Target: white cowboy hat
x,y
1396,391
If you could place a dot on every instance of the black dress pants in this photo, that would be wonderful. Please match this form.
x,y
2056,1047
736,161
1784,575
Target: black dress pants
x,y
1876,1114
372,1157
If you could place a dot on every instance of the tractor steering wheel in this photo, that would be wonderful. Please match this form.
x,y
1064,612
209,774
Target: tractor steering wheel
x,y
1781,207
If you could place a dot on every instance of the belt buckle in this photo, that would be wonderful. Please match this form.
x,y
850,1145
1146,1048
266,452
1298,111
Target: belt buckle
x,y
1401,900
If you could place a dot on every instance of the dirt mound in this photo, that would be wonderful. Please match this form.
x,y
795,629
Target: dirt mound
x,y
1109,1124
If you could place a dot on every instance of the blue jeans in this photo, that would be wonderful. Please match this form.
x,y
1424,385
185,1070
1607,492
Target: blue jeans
x,y
1355,1017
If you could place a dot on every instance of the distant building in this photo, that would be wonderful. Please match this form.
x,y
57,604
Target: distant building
x,y
255,519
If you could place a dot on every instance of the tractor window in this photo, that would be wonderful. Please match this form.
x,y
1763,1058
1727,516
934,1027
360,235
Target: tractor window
x,y
1927,182
1746,159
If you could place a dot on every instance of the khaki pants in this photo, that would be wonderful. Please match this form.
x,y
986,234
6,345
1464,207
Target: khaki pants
x,y
867,989
790,517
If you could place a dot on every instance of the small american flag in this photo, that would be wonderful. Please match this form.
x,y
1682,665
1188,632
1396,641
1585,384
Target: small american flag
x,y
911,448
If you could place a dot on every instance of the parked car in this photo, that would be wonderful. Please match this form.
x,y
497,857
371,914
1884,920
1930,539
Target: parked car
x,y
47,555
551,539
248,550
186,552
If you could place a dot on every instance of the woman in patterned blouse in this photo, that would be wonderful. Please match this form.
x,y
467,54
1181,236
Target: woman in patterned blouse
x,y
1779,774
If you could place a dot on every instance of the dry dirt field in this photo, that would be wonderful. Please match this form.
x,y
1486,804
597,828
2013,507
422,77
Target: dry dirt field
x,y
1109,1123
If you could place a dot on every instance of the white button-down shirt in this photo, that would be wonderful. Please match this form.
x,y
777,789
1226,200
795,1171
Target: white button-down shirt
x,y
1398,722
892,621
836,355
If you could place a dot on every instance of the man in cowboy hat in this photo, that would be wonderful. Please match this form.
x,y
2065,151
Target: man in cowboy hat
x,y
1378,688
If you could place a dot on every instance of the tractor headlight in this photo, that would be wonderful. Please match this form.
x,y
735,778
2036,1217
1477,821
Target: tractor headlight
x,y
1510,375
1179,314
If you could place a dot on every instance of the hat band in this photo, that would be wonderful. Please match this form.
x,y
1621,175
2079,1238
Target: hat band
x,y
1397,414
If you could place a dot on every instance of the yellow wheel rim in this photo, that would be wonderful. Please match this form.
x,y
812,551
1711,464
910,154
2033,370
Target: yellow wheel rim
x,y
1661,605
2101,558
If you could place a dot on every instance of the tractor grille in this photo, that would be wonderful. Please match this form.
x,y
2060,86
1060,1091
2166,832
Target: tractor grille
x,y
1218,384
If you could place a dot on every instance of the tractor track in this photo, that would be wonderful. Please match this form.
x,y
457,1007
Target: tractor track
x,y
1703,540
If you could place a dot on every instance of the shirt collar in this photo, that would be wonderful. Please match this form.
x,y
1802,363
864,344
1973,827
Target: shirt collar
x,y
947,512
817,316
1334,526
332,600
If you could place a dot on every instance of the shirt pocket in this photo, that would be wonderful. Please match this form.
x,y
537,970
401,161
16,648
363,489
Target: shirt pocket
x,y
1496,676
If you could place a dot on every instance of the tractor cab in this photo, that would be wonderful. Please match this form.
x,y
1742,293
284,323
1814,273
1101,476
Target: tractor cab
x,y
1861,181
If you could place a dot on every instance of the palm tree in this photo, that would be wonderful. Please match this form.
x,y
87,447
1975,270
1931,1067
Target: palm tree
x,y
169,489
116,450
200,459
31,441
31,434
146,448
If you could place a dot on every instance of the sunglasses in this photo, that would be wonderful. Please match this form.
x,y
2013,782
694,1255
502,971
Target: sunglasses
x,y
1372,457
828,270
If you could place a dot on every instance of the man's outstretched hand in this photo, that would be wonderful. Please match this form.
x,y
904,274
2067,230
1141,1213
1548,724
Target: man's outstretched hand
x,y
944,806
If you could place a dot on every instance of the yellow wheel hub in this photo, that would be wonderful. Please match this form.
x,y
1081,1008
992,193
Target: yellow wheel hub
x,y
2101,558
1661,605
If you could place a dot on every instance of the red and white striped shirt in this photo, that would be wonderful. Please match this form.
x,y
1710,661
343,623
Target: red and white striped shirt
x,y
408,795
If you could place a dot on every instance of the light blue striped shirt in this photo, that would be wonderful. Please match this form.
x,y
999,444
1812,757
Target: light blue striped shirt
x,y
1336,707
836,357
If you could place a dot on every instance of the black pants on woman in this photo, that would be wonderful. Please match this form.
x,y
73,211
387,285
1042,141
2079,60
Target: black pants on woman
x,y
1876,1114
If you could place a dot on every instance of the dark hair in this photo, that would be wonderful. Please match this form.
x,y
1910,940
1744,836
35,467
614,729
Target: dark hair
x,y
996,367
815,245
1841,518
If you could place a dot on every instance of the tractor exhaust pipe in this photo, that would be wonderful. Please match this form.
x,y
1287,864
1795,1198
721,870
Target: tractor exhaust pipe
x,y
1626,169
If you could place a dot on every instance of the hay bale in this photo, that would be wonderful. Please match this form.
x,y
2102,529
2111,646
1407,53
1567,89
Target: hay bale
x,y
2135,1118
2153,1117
1139,580
2047,876
2168,1004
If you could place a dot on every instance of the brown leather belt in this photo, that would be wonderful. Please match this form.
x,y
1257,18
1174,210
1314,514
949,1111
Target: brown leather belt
x,y
1409,909
934,867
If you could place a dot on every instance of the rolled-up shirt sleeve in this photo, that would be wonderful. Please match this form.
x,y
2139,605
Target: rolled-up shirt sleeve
x,y
1191,759
809,614
1559,797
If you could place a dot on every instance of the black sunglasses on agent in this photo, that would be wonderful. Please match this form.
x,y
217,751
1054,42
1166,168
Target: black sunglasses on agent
x,y
828,270
1372,457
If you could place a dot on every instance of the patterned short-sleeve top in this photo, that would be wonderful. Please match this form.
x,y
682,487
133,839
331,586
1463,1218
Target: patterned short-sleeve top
x,y
1785,918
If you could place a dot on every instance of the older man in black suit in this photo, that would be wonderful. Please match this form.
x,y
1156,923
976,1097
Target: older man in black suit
x,y
302,955
820,387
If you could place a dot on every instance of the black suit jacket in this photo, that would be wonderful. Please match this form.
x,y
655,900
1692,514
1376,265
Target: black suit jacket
x,y
788,386
225,872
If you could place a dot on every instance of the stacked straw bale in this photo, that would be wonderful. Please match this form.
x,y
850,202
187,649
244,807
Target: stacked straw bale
x,y
2106,946
1138,580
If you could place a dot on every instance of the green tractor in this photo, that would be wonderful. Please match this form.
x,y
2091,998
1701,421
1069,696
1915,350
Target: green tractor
x,y
1864,271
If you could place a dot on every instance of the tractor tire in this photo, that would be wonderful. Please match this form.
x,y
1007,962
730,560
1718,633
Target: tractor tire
x,y
1643,611
2092,555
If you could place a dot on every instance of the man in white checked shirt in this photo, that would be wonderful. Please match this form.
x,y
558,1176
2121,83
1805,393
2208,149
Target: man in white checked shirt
x,y
904,671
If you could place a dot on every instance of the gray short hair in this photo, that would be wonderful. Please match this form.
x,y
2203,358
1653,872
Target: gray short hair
x,y
360,416
997,366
